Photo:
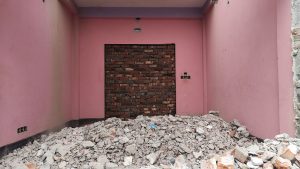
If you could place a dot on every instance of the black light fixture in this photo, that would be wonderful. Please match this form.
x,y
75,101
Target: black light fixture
x,y
137,28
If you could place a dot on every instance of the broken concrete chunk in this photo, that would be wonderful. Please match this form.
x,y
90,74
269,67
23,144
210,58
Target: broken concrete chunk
x,y
87,144
243,131
128,160
267,155
197,154
226,162
63,164
48,157
215,113
31,166
40,153
153,157
257,161
209,164
199,130
236,123
251,165
110,165
131,149
19,166
296,31
124,140
62,150
185,148
268,165
103,159
281,163
96,165
289,152
297,157
240,154
180,163
282,136
241,165
253,149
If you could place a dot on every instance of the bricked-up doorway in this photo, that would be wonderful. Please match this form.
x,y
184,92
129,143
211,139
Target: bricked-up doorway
x,y
139,80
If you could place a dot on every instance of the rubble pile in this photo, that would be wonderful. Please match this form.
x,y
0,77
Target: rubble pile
x,y
160,142
153,142
282,152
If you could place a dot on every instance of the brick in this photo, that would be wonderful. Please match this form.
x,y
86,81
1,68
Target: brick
x,y
280,163
226,162
289,152
138,77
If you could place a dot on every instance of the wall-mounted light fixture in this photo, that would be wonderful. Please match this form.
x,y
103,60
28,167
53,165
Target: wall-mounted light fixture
x,y
185,76
137,28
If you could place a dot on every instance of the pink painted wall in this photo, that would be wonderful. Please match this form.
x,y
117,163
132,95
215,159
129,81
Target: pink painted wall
x,y
248,76
50,74
185,33
36,48
286,112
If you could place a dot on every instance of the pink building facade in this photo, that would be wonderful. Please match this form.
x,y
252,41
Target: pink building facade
x,y
238,55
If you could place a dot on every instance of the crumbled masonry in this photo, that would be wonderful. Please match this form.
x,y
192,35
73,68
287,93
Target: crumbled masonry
x,y
176,142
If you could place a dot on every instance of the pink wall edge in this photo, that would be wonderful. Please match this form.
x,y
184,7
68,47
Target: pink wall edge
x,y
249,75
285,79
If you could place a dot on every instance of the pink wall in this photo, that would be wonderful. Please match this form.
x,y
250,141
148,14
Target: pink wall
x,y
286,112
185,33
36,46
242,67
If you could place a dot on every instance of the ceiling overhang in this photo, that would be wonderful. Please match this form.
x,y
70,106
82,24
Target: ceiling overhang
x,y
141,12
123,10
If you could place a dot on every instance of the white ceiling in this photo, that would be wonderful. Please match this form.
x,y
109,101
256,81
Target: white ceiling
x,y
139,3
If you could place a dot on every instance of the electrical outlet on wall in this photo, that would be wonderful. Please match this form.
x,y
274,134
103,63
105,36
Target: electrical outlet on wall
x,y
22,129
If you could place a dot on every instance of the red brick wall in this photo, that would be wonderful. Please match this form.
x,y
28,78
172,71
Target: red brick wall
x,y
139,79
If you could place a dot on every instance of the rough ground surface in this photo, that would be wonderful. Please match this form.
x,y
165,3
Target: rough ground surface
x,y
161,141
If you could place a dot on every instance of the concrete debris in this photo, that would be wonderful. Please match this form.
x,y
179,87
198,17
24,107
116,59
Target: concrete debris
x,y
240,154
257,161
289,152
131,149
281,163
180,163
128,160
87,144
110,165
197,154
226,162
212,112
253,149
199,130
153,157
282,152
173,142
